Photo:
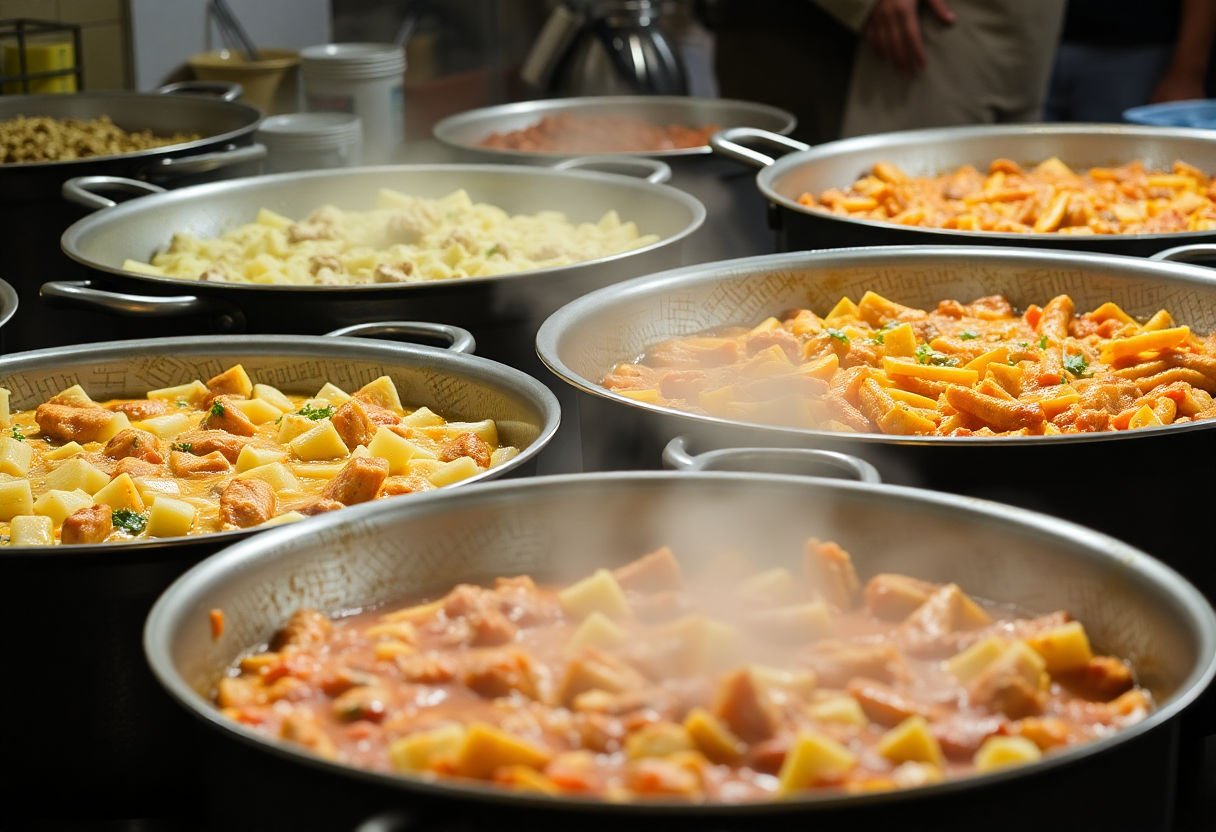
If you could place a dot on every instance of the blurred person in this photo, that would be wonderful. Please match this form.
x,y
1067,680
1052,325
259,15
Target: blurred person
x,y
935,63
786,53
1116,54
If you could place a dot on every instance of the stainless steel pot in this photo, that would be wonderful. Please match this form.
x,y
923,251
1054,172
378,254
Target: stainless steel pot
x,y
562,527
927,152
32,213
501,311
73,613
736,225
1094,479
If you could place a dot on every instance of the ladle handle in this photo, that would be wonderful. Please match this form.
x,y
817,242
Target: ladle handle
x,y
830,464
729,143
457,339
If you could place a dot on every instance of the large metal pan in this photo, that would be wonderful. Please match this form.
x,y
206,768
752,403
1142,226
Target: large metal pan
x,y
562,527
501,311
73,613
927,152
1087,478
32,212
736,225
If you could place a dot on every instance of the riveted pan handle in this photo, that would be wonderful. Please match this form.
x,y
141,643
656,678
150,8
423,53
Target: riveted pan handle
x,y
222,90
1187,254
805,461
730,143
80,294
207,162
653,170
80,190
458,340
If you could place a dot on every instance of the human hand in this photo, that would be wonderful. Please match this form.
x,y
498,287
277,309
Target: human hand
x,y
1178,85
893,31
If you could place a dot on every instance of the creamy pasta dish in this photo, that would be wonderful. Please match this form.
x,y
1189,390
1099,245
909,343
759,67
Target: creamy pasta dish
x,y
405,239
220,455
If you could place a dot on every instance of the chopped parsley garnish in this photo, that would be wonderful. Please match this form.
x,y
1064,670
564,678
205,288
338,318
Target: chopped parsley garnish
x,y
15,432
217,409
184,447
495,249
1076,365
316,413
925,354
876,338
891,324
837,335
967,335
1042,342
182,403
132,522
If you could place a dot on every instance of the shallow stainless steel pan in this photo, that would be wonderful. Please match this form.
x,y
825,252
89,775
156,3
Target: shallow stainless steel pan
x,y
1098,479
501,311
736,225
73,613
926,152
562,527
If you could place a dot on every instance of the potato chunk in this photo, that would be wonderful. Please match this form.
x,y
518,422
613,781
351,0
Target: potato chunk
x,y
1063,648
813,759
487,749
911,741
1003,752
598,593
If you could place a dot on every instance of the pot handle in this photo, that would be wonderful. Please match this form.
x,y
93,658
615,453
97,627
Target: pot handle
x,y
78,190
1186,254
80,294
207,162
729,143
807,461
458,340
223,90
654,170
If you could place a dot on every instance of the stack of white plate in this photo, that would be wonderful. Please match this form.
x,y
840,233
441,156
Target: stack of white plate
x,y
311,141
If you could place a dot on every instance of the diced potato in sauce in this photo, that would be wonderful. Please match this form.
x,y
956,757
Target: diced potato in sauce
x,y
652,681
160,463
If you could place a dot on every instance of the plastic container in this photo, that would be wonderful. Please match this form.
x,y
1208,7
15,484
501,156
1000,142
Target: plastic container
x,y
311,141
366,79
1199,112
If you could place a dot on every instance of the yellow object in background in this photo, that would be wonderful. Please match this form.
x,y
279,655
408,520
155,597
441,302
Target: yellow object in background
x,y
40,57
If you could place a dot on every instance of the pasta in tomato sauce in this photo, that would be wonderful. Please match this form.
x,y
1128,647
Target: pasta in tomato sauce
x,y
960,369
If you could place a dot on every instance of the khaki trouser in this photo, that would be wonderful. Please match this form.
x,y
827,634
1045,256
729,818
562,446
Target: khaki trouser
x,y
991,66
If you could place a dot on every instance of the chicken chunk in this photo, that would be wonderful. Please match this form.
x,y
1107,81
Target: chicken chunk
x,y
137,467
141,408
466,444
358,481
88,525
245,503
408,484
139,444
305,627
495,673
895,597
203,442
882,703
353,424
831,572
187,465
746,708
319,507
223,416
72,423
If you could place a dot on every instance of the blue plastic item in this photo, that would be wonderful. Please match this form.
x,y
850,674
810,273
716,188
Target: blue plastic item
x,y
1200,112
